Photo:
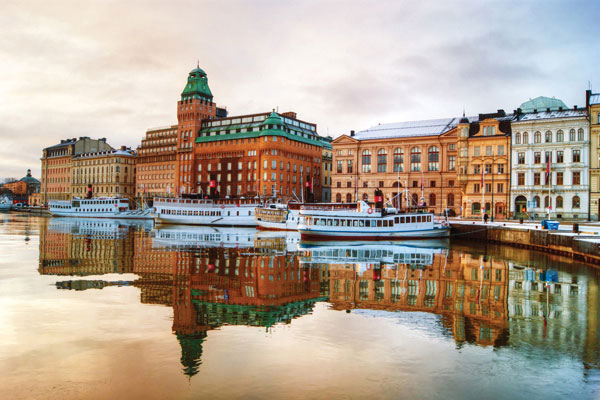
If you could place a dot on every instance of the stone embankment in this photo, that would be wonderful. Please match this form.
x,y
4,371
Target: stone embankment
x,y
584,245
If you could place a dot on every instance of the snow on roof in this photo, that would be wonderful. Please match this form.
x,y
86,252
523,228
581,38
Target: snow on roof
x,y
595,98
431,127
552,115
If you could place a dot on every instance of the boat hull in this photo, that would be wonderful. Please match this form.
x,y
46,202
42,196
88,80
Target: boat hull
x,y
277,226
113,215
311,234
206,220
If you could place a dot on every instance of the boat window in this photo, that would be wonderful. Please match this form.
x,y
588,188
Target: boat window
x,y
361,223
391,222
385,223
413,219
336,222
354,222
328,222
379,224
397,219
429,218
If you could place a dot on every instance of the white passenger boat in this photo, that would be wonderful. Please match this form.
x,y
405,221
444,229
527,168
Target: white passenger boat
x,y
367,223
97,207
284,217
5,204
229,212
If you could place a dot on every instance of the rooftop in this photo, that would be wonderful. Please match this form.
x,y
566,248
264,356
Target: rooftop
x,y
595,98
571,113
542,103
431,127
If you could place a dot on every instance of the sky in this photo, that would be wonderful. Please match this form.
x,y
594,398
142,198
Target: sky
x,y
114,69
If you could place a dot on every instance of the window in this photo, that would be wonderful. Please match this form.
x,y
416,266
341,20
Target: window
x,y
432,184
432,199
521,158
450,201
398,160
580,134
273,164
476,208
536,178
537,201
548,137
381,160
349,184
576,155
488,150
348,198
500,188
366,161
547,157
434,159
500,168
476,169
559,178
559,202
476,151
338,198
339,166
521,179
451,146
452,163
488,187
547,202
476,188
501,150
349,166
576,178
576,202
537,157
560,156
451,183
560,136
518,138
537,137
415,159
572,135
525,138
488,168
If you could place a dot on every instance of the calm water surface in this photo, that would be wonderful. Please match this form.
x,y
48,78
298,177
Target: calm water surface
x,y
98,309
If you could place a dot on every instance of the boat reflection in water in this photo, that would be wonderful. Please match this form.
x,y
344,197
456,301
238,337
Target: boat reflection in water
x,y
216,277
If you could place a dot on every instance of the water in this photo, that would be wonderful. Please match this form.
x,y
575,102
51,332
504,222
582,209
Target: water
x,y
98,309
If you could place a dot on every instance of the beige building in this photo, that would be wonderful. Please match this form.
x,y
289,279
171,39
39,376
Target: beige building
x,y
110,173
56,165
416,159
593,108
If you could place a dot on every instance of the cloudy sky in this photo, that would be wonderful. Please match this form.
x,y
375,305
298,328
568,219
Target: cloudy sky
x,y
116,68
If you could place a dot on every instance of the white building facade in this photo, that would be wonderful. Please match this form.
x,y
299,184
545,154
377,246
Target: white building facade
x,y
548,136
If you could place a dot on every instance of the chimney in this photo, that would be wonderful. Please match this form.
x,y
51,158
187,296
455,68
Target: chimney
x,y
547,109
574,107
351,133
588,93
560,108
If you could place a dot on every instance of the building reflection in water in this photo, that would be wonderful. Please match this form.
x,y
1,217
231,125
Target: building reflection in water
x,y
238,276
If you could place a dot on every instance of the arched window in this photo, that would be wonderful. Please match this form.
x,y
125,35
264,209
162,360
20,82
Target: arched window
x,y
537,137
518,138
348,198
434,158
537,201
365,197
572,135
525,138
398,160
476,208
559,202
381,160
338,198
450,200
366,161
560,136
415,200
580,134
432,199
576,202
415,159
548,138
547,202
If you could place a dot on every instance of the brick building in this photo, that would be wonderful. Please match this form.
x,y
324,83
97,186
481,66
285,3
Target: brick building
x,y
155,164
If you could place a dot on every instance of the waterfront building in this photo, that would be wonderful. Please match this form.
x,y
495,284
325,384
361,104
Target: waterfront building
x,y
155,163
326,168
56,165
418,155
266,154
111,173
593,108
550,160
195,106
483,164
24,188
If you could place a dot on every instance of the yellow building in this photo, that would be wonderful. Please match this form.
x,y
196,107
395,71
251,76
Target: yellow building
x,y
111,173
483,165
593,106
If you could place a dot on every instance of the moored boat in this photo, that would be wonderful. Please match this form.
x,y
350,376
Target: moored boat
x,y
368,223
5,204
97,207
226,212
284,217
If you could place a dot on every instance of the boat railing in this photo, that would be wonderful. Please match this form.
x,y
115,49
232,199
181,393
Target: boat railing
x,y
213,202
329,207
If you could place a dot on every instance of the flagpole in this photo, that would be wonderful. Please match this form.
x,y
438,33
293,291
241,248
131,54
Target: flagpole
x,y
482,192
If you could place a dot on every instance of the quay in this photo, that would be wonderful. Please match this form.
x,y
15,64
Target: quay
x,y
581,243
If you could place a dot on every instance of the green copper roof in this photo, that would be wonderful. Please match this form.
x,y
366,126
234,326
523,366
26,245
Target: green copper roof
x,y
273,119
265,132
541,104
197,85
